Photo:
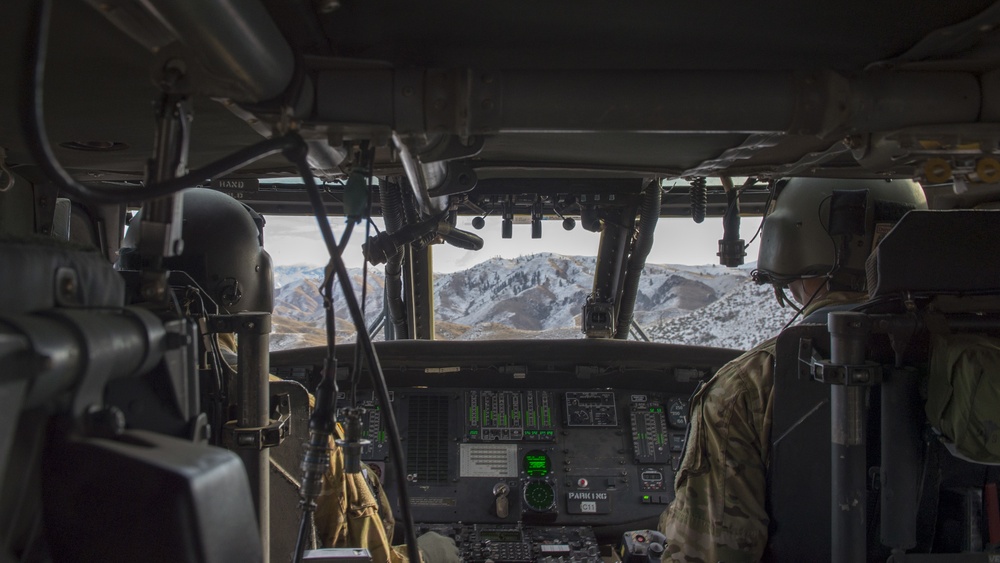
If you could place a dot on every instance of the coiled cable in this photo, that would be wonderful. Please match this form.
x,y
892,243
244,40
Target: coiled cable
x,y
699,199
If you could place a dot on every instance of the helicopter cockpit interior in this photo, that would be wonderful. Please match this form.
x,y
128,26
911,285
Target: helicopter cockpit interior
x,y
129,433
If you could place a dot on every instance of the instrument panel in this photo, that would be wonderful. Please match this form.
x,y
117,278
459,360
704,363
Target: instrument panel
x,y
535,455
566,435
479,543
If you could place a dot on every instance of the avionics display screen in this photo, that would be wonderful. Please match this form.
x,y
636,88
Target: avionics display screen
x,y
537,464
500,535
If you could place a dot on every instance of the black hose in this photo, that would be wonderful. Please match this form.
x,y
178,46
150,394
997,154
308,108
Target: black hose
x,y
699,199
458,237
297,155
391,199
321,421
649,214
731,219
393,214
410,213
33,126
345,239
380,248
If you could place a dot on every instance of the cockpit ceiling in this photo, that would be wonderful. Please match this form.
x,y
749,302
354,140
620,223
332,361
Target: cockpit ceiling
x,y
645,35
667,89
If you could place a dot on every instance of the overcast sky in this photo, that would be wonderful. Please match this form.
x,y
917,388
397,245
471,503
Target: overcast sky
x,y
296,240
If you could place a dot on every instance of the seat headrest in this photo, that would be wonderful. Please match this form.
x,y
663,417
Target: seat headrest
x,y
954,251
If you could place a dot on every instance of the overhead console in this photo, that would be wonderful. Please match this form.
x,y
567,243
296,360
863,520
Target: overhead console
x,y
512,437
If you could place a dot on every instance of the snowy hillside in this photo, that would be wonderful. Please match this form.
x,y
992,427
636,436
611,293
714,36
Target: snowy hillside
x,y
740,319
299,317
541,296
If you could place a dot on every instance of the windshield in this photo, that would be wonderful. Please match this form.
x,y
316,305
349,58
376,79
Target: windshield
x,y
525,288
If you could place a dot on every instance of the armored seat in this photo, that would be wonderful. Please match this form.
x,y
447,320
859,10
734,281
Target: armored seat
x,y
932,275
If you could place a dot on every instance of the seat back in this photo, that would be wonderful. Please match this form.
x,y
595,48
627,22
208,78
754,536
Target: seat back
x,y
799,474
291,399
935,271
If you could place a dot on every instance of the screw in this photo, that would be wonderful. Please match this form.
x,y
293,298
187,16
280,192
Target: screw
x,y
68,286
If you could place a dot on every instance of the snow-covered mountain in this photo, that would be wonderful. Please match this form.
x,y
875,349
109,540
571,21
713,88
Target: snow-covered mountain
x,y
739,319
299,316
547,291
541,296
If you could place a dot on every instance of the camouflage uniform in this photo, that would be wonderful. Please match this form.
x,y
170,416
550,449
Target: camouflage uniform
x,y
719,511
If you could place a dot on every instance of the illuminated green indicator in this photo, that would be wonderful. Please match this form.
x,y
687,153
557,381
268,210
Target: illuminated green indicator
x,y
645,497
537,464
473,432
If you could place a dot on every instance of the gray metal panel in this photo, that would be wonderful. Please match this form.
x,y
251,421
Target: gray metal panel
x,y
95,489
44,274
286,474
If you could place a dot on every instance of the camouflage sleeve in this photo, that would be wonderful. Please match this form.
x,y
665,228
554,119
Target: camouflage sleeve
x,y
718,513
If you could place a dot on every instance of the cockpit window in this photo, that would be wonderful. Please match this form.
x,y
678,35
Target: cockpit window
x,y
525,288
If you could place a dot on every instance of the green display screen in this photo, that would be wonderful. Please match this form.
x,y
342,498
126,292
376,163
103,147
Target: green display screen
x,y
537,464
500,535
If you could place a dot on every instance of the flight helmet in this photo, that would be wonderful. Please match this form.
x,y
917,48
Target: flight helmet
x,y
223,251
822,227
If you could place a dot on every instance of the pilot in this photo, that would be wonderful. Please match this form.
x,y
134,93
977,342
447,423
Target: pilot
x,y
224,254
719,511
